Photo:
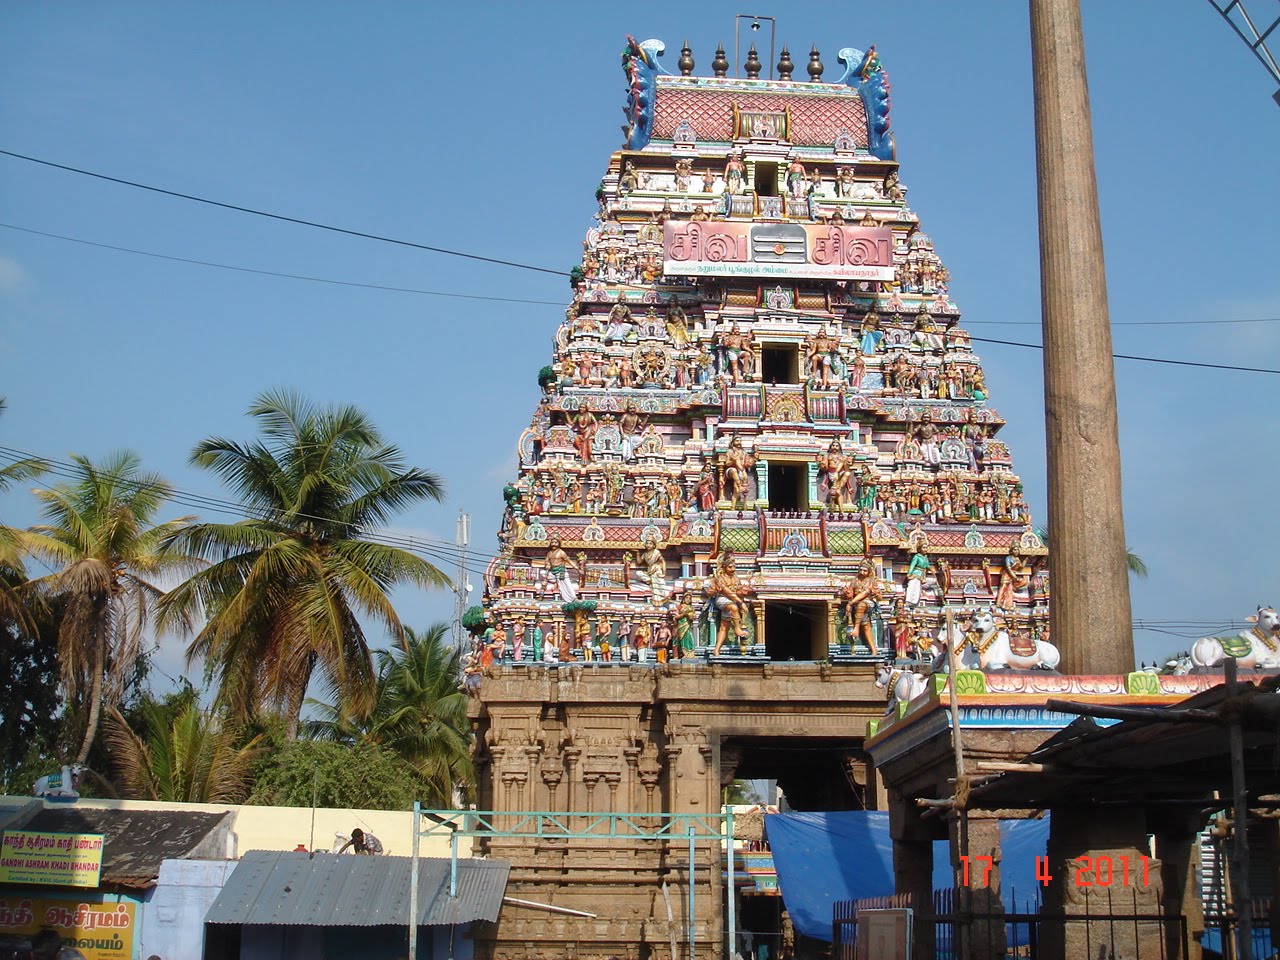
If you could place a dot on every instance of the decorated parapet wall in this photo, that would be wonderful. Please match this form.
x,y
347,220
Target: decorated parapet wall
x,y
763,431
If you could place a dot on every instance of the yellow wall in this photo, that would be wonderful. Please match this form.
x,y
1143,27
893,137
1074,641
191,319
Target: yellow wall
x,y
283,828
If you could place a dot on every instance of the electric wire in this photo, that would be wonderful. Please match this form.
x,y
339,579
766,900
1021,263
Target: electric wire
x,y
551,303
275,273
556,303
436,550
283,218
1128,356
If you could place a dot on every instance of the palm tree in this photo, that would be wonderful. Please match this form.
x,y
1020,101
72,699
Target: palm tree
x,y
418,712
185,755
101,536
14,610
285,589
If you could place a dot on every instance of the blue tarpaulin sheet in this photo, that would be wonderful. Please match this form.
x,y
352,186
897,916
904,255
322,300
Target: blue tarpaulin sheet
x,y
824,857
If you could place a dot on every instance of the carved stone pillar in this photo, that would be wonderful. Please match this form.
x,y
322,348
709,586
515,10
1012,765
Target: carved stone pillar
x,y
1079,838
1178,847
913,865
649,769
978,884
573,800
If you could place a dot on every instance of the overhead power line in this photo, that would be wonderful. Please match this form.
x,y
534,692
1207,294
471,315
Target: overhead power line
x,y
1128,356
549,303
274,273
471,256
282,217
437,550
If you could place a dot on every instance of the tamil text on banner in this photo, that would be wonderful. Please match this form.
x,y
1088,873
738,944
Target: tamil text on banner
x,y
699,248
56,859
100,931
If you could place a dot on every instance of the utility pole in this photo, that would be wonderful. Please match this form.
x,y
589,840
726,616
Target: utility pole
x,y
461,587
1090,614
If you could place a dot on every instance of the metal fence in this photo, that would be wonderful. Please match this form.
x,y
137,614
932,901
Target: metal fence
x,y
1222,931
947,931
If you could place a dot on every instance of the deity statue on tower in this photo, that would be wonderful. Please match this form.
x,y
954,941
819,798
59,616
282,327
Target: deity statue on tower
x,y
725,591
737,463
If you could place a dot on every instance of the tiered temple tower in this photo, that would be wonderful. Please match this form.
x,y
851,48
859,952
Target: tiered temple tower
x,y
764,462
760,367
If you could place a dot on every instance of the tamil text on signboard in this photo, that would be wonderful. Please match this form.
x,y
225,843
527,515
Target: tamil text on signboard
x,y
100,931
57,859
817,251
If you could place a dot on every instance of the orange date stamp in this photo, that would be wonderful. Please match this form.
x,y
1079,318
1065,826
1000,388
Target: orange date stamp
x,y
1102,871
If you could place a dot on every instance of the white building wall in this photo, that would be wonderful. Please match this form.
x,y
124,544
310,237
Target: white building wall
x,y
171,924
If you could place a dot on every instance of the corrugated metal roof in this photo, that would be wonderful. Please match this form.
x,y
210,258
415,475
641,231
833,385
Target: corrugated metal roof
x,y
292,888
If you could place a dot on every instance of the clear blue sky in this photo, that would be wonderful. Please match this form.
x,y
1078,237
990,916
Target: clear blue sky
x,y
486,127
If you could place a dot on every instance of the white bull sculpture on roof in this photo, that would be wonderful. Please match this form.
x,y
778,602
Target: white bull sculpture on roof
x,y
985,646
1257,648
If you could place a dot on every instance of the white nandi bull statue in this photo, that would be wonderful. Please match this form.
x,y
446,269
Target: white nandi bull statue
x,y
984,646
1257,648
64,785
903,685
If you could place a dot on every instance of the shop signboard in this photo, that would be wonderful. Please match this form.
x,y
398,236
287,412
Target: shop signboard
x,y
100,931
51,859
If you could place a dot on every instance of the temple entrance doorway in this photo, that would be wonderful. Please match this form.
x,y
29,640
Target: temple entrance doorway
x,y
813,774
795,630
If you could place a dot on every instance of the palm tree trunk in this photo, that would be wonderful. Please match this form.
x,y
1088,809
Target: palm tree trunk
x,y
95,695
296,694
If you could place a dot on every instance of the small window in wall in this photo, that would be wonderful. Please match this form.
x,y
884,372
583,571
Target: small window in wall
x,y
787,486
795,630
766,182
780,363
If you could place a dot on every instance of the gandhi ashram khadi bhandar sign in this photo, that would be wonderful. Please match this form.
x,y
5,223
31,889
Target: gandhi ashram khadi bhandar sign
x,y
765,462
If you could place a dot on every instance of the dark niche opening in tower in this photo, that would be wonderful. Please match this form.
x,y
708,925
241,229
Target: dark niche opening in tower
x,y
766,180
795,630
786,486
780,363
813,773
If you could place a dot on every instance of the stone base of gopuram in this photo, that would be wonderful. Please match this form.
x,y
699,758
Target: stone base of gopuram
x,y
641,740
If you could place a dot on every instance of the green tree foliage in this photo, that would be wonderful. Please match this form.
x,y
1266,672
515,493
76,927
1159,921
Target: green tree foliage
x,y
101,538
15,602
180,753
361,776
419,714
30,714
285,590
741,792
473,620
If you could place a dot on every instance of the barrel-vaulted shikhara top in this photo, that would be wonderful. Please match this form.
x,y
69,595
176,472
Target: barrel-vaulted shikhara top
x,y
763,431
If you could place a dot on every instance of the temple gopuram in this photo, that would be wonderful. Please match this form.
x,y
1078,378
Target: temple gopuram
x,y
764,433
763,487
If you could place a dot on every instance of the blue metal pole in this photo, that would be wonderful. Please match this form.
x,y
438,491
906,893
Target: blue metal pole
x,y
453,864
732,892
692,934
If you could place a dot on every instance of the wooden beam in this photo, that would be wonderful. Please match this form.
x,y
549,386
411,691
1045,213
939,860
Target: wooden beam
x,y
1147,714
